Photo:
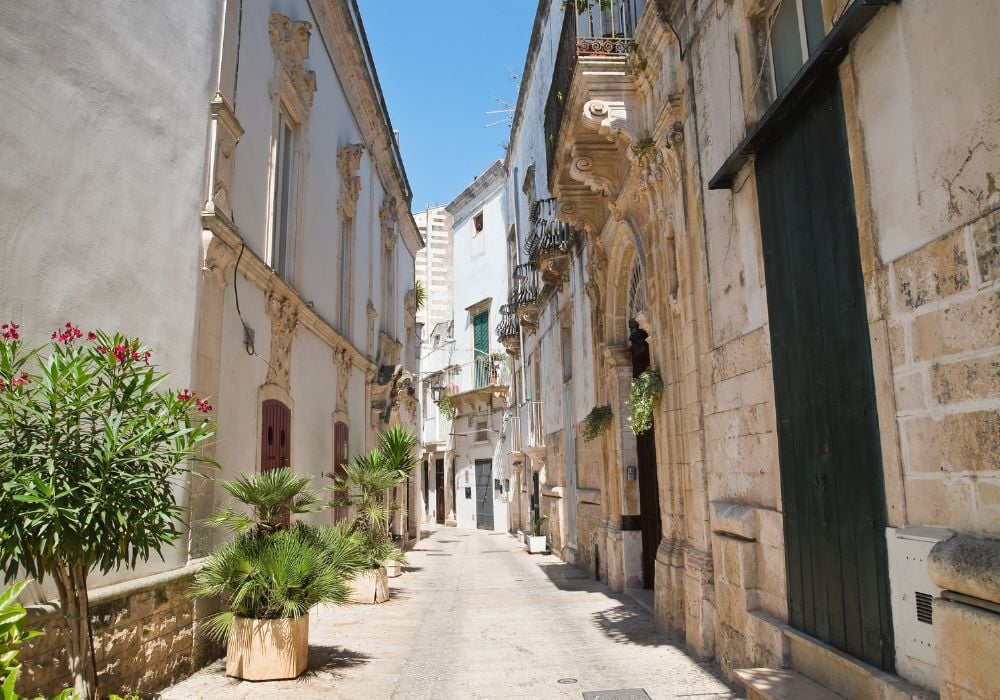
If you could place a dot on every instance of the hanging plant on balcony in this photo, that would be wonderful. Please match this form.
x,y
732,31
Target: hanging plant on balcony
x,y
646,389
596,422
446,407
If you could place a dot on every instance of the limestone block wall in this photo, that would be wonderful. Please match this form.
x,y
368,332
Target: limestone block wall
x,y
944,334
146,636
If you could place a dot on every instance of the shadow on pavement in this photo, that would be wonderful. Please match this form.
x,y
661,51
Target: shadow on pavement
x,y
330,659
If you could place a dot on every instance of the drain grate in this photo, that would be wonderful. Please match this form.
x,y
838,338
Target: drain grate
x,y
622,694
443,554
494,551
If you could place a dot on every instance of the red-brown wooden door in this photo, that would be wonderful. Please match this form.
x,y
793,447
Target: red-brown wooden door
x,y
340,464
275,436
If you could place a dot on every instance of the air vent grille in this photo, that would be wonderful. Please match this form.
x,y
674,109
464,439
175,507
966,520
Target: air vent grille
x,y
925,609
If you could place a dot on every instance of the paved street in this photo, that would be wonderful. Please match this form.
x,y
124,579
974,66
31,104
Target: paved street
x,y
475,616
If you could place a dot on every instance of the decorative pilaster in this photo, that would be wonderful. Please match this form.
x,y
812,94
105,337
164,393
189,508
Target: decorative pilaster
x,y
225,134
293,84
348,162
284,315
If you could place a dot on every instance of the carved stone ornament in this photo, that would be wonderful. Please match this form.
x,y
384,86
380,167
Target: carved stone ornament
x,y
345,365
388,216
348,162
296,85
226,133
219,257
284,316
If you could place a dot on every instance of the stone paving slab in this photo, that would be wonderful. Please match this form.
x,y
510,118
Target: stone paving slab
x,y
489,621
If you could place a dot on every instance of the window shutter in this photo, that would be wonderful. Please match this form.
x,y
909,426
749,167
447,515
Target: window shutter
x,y
340,433
275,436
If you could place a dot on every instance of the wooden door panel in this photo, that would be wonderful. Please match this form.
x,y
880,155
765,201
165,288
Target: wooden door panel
x,y
275,435
829,451
439,490
340,451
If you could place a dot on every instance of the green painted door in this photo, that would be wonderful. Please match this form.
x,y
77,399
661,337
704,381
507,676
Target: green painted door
x,y
828,438
481,347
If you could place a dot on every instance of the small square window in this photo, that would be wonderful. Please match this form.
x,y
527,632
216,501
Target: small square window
x,y
477,222
795,30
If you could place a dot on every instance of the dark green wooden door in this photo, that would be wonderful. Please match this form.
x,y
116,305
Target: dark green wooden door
x,y
831,463
481,347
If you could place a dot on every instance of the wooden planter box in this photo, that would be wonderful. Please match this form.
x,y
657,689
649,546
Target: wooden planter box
x,y
371,586
268,650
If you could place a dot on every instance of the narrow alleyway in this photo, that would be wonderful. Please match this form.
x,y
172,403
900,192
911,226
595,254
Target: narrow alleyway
x,y
474,616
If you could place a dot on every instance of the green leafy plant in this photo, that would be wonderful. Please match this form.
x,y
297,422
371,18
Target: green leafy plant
x,y
446,407
91,448
419,295
363,487
272,569
536,527
596,422
645,390
644,146
583,5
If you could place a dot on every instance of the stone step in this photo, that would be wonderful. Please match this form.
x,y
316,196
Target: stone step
x,y
781,684
844,674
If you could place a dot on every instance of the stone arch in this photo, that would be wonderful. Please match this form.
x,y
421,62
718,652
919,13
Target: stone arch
x,y
627,250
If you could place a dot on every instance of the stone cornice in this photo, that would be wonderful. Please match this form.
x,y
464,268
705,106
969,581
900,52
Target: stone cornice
x,y
257,272
342,32
485,180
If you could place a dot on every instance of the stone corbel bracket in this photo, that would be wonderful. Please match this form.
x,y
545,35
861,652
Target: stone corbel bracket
x,y
292,82
348,163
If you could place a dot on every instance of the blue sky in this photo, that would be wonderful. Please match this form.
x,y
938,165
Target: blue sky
x,y
441,63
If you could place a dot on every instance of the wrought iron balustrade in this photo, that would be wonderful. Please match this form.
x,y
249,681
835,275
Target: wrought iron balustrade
x,y
509,325
536,429
548,235
524,287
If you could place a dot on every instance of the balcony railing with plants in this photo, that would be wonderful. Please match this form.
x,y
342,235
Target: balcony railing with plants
x,y
548,246
590,28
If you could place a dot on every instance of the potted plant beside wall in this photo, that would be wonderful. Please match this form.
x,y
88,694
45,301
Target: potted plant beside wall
x,y
272,573
366,487
537,543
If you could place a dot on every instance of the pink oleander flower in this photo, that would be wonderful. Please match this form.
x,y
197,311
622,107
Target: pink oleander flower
x,y
23,380
9,331
103,349
91,335
203,406
121,353
185,395
67,335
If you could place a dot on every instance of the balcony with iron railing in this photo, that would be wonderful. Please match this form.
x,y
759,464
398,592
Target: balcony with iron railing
x,y
468,371
595,28
524,295
509,330
534,438
549,244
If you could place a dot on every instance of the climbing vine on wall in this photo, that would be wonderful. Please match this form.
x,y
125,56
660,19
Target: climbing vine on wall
x,y
646,389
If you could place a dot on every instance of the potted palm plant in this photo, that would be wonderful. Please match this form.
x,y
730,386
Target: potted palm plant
x,y
271,573
537,542
366,487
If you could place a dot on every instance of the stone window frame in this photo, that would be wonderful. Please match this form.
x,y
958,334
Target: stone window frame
x,y
348,165
291,90
756,65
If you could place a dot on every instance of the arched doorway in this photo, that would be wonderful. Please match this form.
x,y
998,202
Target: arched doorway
x,y
649,492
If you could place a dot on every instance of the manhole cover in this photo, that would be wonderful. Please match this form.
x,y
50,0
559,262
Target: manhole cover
x,y
566,681
623,694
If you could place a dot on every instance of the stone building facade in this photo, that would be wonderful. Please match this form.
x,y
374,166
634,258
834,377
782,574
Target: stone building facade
x,y
249,219
788,209
466,377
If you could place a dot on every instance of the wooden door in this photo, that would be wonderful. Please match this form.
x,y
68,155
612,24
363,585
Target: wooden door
x,y
649,491
828,437
340,446
484,494
275,435
439,490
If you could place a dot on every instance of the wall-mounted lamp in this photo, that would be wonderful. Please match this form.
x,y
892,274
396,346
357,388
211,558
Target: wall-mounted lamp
x,y
436,391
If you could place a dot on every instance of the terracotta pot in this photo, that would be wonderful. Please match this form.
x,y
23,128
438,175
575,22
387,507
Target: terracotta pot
x,y
370,586
393,569
267,650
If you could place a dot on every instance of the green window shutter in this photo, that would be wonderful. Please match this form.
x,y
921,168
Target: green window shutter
x,y
481,347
